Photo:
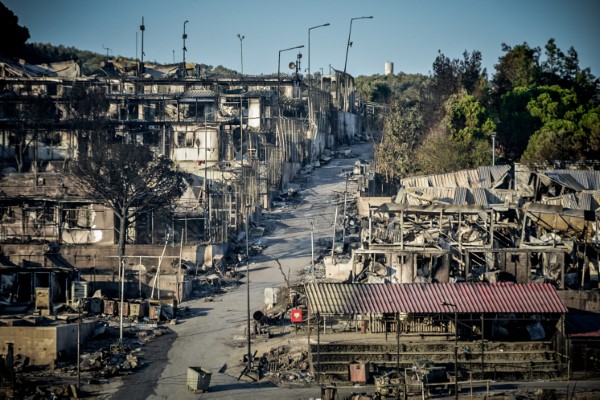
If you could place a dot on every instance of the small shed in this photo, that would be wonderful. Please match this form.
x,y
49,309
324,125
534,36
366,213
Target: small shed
x,y
500,311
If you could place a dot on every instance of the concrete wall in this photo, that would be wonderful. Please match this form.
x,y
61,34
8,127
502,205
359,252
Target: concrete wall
x,y
105,256
362,204
581,300
45,344
337,270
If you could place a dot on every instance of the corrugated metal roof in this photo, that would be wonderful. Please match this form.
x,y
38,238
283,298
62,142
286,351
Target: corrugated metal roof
x,y
425,298
197,93
484,177
576,179
460,195
583,325
480,196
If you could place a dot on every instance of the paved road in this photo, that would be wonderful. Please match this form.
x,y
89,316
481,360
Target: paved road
x,y
206,339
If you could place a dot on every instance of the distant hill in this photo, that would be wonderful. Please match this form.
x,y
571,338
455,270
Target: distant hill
x,y
39,53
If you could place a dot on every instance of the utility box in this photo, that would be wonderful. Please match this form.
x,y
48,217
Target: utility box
x,y
359,372
96,306
111,307
138,310
155,312
79,291
43,301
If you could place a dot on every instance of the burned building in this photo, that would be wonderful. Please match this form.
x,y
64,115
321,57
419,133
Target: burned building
x,y
240,140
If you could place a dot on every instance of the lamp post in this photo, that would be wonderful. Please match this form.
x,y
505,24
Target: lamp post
x,y
184,36
279,68
309,29
142,29
241,37
493,149
349,42
446,304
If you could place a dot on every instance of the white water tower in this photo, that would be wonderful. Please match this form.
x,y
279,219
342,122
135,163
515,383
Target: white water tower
x,y
389,68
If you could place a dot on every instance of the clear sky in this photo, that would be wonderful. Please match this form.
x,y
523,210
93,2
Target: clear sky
x,y
408,33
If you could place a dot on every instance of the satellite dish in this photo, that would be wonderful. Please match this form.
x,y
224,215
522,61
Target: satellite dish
x,y
292,65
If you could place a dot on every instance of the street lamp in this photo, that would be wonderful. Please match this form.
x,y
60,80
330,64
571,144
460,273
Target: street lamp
x,y
279,68
446,304
493,149
349,42
241,37
184,36
309,29
142,28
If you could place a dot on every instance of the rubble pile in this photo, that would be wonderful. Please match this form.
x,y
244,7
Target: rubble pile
x,y
286,364
101,360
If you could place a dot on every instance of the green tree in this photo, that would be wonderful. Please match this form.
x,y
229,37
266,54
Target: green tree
x,y
469,122
467,119
516,123
445,79
13,35
569,131
440,154
518,67
473,78
402,130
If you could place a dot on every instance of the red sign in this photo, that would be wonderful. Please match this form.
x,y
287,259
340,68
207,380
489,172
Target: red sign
x,y
296,315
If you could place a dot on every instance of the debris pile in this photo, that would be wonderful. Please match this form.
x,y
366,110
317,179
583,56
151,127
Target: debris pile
x,y
101,360
286,364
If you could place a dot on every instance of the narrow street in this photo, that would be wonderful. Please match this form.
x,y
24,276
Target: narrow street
x,y
206,338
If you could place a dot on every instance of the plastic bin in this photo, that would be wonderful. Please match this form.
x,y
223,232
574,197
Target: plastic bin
x,y
198,378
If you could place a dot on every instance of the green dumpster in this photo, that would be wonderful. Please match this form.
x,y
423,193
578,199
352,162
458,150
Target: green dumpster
x,y
198,379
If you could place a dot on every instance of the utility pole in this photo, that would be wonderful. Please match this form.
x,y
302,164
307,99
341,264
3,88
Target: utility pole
x,y
333,241
79,345
347,176
184,36
312,245
142,28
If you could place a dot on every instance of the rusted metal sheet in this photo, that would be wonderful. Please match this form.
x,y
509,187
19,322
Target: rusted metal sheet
x,y
340,299
577,180
483,177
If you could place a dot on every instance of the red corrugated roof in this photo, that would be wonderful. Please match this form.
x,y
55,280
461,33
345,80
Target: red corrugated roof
x,y
583,325
367,298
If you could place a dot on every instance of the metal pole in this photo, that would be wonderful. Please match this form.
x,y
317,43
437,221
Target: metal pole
x,y
206,211
349,42
398,353
455,353
184,36
244,194
312,245
248,300
279,69
334,226
318,348
79,345
309,29
142,28
344,220
493,149
122,264
482,348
